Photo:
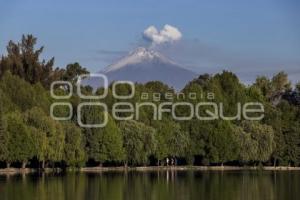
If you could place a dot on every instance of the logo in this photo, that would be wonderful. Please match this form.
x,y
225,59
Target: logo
x,y
122,110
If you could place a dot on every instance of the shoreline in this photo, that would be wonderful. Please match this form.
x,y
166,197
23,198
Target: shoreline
x,y
189,168
12,171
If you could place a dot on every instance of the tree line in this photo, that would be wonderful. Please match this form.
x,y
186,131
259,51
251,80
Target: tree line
x,y
30,137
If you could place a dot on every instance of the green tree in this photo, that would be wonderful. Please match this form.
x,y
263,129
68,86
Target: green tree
x,y
139,142
20,145
4,136
40,144
223,144
247,146
18,91
102,144
290,133
264,84
72,71
48,134
23,60
74,154
280,82
203,81
292,144
41,128
21,95
263,136
56,141
171,140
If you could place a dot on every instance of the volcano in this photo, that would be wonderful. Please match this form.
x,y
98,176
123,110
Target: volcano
x,y
144,65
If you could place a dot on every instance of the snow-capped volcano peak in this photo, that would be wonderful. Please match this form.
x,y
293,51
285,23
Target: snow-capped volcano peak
x,y
143,65
139,55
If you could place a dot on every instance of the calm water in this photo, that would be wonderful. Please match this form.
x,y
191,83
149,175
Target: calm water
x,y
153,185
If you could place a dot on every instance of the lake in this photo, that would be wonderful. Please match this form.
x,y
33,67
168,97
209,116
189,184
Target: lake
x,y
154,185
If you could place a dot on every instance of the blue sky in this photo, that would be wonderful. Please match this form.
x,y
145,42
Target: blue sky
x,y
247,37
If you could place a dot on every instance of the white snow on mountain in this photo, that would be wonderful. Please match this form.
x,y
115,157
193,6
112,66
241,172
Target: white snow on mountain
x,y
139,55
143,65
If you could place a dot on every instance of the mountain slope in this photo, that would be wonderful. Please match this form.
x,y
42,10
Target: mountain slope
x,y
144,65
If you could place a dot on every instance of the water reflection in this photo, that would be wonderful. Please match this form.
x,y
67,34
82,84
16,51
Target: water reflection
x,y
153,185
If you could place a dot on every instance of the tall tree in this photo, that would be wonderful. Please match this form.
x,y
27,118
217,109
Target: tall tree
x,y
263,136
247,146
74,154
171,140
264,84
139,142
4,137
23,60
72,72
280,82
102,144
222,144
40,127
21,95
48,134
20,145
